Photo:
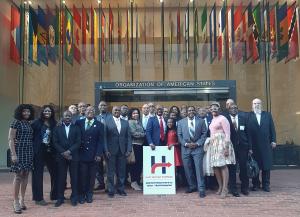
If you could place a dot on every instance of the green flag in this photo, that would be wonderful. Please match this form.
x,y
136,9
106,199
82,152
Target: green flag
x,y
68,36
257,29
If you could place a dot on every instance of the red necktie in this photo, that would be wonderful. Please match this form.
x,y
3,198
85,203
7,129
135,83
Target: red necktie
x,y
161,130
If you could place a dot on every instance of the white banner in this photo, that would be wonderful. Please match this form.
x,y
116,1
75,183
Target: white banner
x,y
158,171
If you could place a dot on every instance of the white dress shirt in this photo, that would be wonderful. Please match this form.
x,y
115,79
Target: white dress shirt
x,y
258,117
236,119
67,129
87,121
194,123
145,119
118,123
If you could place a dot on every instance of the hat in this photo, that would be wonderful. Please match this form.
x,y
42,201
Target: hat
x,y
215,103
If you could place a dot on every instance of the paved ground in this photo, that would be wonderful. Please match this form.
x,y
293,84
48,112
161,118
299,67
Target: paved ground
x,y
283,201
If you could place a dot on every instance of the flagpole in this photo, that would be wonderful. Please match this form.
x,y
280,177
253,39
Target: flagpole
x,y
226,44
195,43
163,37
100,41
61,65
131,26
21,75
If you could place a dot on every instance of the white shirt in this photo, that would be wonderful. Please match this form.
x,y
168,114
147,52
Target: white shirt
x,y
258,117
67,129
145,119
124,118
236,119
163,121
194,123
118,123
86,122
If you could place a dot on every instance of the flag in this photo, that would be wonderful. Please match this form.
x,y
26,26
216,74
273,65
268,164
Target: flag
x,y
15,35
77,33
257,33
42,36
127,32
52,31
187,32
221,35
282,32
204,33
84,31
178,34
213,36
92,32
68,39
170,37
119,35
272,26
103,32
33,37
96,37
238,33
230,28
111,34
26,37
292,33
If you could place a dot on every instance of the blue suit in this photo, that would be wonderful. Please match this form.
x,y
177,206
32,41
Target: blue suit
x,y
92,143
153,131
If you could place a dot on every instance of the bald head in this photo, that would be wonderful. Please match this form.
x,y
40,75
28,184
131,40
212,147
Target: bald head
x,y
229,103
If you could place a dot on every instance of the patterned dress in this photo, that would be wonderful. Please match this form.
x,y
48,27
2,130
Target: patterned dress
x,y
24,147
219,139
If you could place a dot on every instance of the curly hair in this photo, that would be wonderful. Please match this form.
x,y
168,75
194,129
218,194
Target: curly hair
x,y
52,120
18,112
131,111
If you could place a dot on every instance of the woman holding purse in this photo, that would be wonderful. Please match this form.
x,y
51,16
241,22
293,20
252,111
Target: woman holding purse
x,y
138,137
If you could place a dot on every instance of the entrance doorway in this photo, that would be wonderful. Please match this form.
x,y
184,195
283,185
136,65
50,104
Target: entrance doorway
x,y
165,93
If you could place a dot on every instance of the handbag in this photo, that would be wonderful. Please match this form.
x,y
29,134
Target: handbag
x,y
252,167
131,157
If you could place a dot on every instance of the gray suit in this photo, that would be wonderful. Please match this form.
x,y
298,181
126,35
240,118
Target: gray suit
x,y
193,155
117,144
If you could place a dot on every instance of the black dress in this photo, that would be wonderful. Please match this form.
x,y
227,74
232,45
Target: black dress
x,y
24,148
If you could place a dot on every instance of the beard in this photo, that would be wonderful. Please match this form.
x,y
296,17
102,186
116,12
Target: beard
x,y
257,110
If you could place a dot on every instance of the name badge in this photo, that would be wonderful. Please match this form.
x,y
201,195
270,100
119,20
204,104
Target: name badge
x,y
242,127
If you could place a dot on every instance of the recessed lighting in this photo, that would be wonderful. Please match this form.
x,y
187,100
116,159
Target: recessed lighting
x,y
161,1
29,2
64,2
99,1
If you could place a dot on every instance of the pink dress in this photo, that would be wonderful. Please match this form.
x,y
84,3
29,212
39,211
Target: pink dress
x,y
219,140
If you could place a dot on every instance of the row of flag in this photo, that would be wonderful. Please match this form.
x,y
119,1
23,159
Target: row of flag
x,y
243,34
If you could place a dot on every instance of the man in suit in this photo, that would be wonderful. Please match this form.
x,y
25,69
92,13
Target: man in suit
x,y
102,117
156,129
145,115
192,135
242,145
66,141
263,137
90,152
117,148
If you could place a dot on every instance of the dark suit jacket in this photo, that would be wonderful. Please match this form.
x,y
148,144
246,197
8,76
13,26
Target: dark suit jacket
x,y
37,134
262,136
116,140
92,140
153,131
61,143
240,138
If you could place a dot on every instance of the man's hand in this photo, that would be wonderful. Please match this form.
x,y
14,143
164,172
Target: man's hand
x,y
97,158
273,144
193,145
66,154
152,146
250,152
107,154
127,153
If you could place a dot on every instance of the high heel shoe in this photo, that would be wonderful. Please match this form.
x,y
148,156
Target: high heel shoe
x,y
224,193
17,207
219,191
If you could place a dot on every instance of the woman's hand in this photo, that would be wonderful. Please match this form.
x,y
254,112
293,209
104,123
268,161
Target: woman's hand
x,y
170,146
14,158
226,152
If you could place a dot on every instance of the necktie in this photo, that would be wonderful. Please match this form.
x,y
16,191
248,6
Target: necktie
x,y
192,130
234,123
88,126
161,129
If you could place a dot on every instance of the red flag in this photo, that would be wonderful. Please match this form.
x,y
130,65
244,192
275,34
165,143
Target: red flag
x,y
293,33
84,31
238,33
77,34
15,35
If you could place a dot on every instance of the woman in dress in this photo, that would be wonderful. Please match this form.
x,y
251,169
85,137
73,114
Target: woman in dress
x,y
172,141
20,144
221,149
138,137
43,154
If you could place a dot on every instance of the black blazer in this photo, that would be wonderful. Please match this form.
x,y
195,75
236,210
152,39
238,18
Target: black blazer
x,y
240,138
92,140
61,143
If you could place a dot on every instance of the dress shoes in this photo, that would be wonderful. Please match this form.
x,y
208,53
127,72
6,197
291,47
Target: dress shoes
x,y
245,192
58,203
100,187
266,189
235,193
254,188
111,194
74,202
122,193
41,203
190,190
202,194
81,200
89,198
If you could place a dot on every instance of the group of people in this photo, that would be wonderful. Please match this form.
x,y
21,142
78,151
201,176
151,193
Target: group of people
x,y
206,142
